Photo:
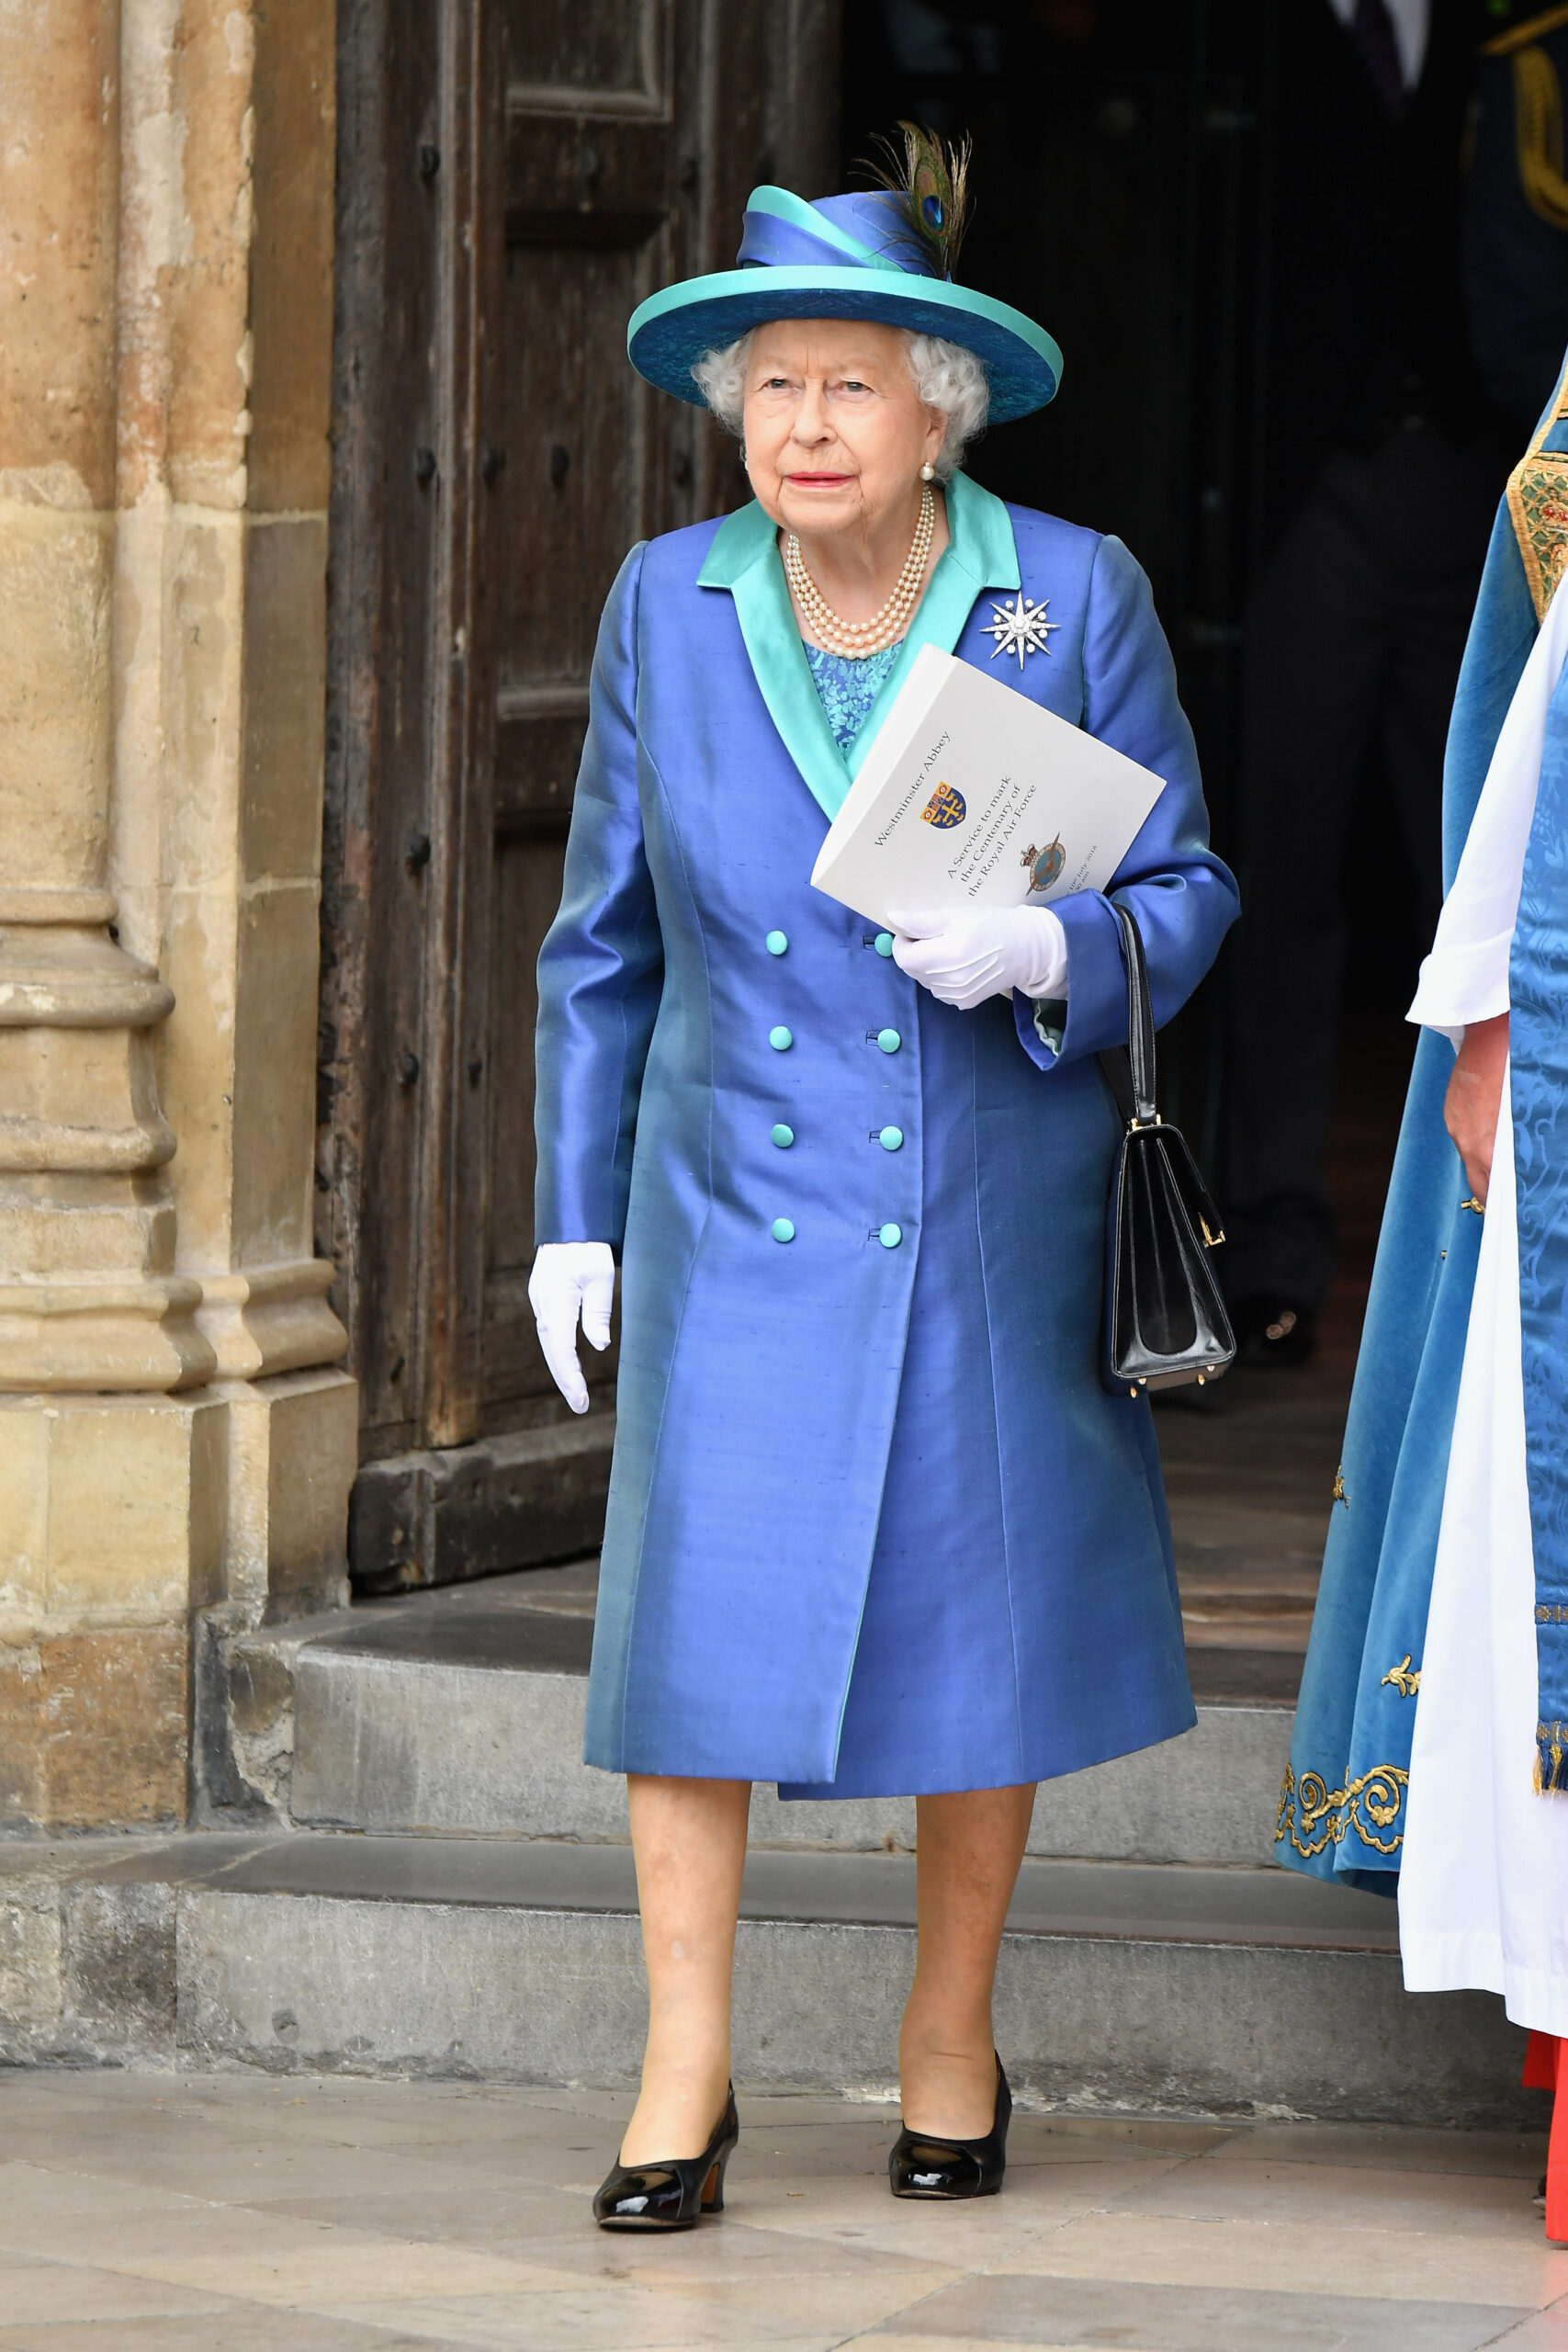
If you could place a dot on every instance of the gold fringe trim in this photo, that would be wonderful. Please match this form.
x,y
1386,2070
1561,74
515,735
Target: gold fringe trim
x,y
1551,1759
1314,1816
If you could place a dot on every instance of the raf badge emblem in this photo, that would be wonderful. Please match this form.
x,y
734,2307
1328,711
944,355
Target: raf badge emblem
x,y
945,808
1045,864
1021,627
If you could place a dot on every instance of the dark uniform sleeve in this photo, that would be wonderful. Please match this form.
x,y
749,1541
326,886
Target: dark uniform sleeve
x,y
1516,226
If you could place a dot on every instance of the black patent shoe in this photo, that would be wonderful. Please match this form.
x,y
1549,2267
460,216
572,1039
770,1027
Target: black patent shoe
x,y
673,2193
919,2166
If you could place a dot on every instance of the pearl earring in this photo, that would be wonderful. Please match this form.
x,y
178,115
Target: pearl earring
x,y
928,472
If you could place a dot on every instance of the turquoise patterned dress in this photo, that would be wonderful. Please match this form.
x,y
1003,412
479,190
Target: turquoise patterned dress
x,y
847,686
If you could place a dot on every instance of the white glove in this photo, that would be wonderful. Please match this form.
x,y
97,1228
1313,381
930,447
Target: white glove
x,y
569,1278
964,957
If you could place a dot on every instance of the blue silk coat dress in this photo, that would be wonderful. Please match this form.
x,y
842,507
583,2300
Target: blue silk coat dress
x,y
875,1526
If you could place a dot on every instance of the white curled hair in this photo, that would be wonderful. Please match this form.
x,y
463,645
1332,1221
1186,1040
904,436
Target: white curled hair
x,y
945,376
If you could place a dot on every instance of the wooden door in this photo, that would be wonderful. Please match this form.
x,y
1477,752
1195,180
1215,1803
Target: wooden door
x,y
514,175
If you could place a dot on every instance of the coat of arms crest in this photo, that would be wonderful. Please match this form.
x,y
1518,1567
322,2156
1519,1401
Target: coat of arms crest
x,y
1045,864
945,808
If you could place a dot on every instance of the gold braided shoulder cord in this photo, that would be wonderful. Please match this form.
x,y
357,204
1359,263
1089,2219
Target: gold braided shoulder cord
x,y
1536,28
1538,129
1313,1816
1537,112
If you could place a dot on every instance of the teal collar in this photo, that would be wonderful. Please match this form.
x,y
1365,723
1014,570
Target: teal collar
x,y
744,558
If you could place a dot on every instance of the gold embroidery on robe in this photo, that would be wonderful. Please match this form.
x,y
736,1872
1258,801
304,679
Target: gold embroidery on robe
x,y
1313,1816
1403,1681
1538,504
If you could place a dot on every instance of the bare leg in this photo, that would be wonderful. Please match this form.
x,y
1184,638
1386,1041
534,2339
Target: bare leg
x,y
969,1847
689,1837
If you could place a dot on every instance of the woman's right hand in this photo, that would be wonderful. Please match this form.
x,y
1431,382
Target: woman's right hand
x,y
571,1279
1474,1097
966,955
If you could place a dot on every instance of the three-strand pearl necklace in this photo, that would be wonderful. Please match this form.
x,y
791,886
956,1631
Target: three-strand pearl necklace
x,y
858,639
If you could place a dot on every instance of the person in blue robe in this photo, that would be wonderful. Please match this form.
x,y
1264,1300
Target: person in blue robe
x,y
1343,1804
1430,1747
874,1525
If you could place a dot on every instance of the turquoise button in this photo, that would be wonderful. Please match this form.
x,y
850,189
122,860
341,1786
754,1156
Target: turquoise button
x,y
891,1139
784,1136
884,943
776,943
784,1231
780,1040
889,1040
890,1236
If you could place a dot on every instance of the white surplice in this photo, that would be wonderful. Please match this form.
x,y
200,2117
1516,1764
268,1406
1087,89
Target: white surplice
x,y
1484,1879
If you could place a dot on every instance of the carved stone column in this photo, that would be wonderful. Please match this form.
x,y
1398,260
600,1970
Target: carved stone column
x,y
110,1502
88,1291
173,1432
224,464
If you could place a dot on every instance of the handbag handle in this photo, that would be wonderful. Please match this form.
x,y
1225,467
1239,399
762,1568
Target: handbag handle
x,y
1131,1071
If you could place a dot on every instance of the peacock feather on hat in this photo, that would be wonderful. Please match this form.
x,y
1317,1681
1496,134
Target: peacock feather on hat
x,y
930,182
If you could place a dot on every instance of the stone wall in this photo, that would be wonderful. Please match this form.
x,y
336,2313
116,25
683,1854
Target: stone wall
x,y
173,1433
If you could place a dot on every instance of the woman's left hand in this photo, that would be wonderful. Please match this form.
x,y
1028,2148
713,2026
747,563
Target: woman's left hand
x,y
965,955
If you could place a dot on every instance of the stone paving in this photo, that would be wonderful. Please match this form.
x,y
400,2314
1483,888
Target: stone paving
x,y
251,2213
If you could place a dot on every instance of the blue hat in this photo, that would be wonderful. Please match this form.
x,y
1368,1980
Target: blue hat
x,y
842,257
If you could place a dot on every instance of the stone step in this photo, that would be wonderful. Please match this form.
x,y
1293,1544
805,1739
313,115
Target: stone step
x,y
463,1714
1120,1985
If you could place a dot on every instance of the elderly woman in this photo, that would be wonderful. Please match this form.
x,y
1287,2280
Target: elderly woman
x,y
875,1528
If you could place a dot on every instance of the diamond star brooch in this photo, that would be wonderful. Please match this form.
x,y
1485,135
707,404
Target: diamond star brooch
x,y
1021,627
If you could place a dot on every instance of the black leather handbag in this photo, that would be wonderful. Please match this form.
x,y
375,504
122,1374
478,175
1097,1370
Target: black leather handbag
x,y
1165,1320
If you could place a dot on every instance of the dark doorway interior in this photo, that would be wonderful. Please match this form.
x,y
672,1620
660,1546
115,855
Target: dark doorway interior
x,y
1127,155
1116,172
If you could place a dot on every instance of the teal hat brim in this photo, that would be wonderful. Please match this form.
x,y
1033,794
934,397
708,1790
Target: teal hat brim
x,y
671,331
